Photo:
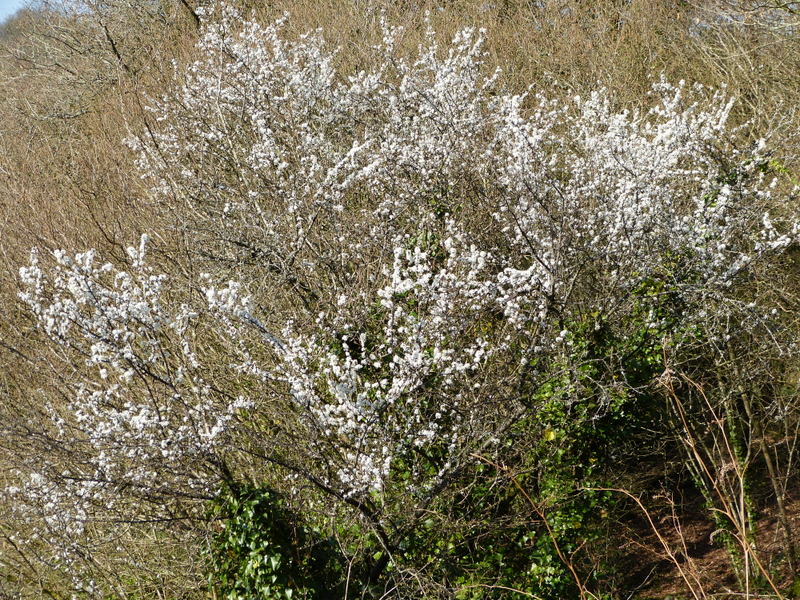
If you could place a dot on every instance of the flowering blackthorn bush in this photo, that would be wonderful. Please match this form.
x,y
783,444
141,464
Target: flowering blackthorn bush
x,y
396,277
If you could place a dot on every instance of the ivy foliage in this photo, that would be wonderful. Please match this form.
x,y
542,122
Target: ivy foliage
x,y
263,550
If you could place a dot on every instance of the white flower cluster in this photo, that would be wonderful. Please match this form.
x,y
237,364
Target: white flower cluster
x,y
400,165
142,417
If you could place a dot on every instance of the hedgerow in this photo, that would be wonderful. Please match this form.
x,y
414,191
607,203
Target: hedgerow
x,y
418,320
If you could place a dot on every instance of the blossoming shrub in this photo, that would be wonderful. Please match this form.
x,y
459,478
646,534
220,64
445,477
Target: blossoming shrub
x,y
430,310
